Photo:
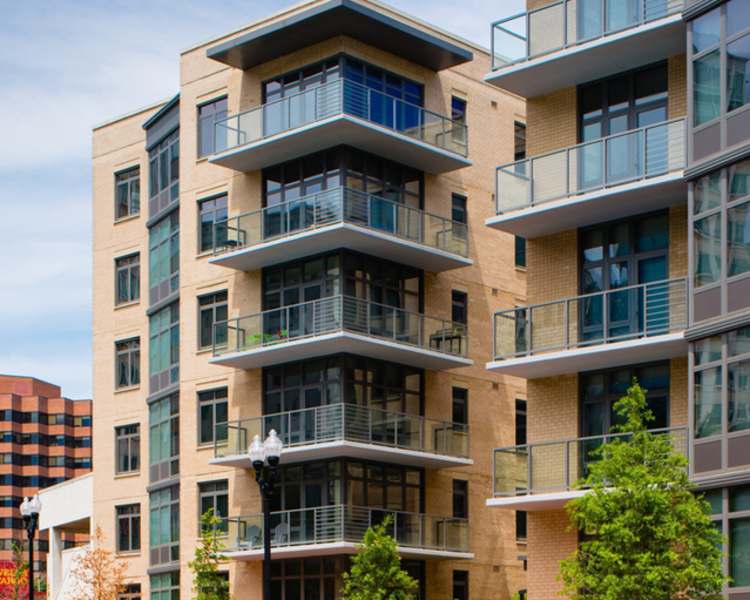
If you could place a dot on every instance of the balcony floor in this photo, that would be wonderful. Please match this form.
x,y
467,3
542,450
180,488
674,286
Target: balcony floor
x,y
336,130
361,450
338,342
341,235
536,502
616,202
333,548
588,358
614,53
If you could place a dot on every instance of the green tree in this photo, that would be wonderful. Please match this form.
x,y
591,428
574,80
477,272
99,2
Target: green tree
x,y
208,582
648,536
376,572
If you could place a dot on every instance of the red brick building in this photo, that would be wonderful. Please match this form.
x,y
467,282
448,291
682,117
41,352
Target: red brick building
x,y
44,439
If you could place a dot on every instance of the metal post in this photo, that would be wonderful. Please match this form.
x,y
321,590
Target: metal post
x,y
566,464
266,547
605,317
31,531
531,182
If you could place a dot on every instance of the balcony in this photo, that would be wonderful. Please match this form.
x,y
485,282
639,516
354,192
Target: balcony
x,y
341,112
340,324
340,218
349,430
571,41
338,529
545,475
609,178
638,323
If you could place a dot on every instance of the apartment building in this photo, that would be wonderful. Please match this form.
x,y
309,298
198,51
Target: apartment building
x,y
634,198
311,208
46,439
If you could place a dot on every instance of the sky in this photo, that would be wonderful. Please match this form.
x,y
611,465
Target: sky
x,y
65,66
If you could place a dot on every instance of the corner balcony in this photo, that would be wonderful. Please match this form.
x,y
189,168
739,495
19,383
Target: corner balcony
x,y
610,178
340,324
340,112
569,42
633,324
340,218
545,475
338,529
349,430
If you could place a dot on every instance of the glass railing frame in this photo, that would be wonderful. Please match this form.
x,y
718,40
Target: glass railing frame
x,y
605,339
568,443
342,82
344,433
341,196
673,7
449,330
341,520
605,142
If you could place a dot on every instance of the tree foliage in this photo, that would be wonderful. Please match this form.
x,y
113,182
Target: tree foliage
x,y
375,572
208,582
647,536
97,574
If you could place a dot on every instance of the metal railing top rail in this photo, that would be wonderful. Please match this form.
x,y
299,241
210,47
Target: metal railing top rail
x,y
358,508
340,83
668,162
341,194
564,13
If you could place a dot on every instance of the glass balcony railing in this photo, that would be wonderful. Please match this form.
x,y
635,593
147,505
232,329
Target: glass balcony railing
x,y
616,315
339,313
340,205
347,422
341,97
548,467
345,523
623,158
568,23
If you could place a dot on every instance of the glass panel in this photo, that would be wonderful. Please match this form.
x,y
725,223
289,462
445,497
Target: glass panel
x,y
738,242
707,193
738,78
707,244
739,341
739,396
706,88
739,498
706,30
707,393
714,498
707,350
738,18
739,552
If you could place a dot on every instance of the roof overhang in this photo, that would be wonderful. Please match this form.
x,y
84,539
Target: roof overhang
x,y
334,18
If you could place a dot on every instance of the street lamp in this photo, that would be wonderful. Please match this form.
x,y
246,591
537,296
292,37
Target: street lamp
x,y
30,510
265,458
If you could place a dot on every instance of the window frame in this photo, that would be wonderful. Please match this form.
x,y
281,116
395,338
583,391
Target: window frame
x,y
128,263
459,204
127,178
213,303
214,118
212,402
213,490
132,440
126,512
460,498
215,243
460,301
133,364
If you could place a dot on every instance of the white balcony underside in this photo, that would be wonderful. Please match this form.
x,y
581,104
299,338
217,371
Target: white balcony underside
x,y
600,356
341,235
616,202
536,502
336,130
593,60
337,449
338,342
333,548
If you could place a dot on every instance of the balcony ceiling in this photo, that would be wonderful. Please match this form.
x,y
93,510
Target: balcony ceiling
x,y
334,548
622,51
334,18
536,502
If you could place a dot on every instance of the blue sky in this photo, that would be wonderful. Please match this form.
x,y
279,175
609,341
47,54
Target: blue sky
x,y
66,65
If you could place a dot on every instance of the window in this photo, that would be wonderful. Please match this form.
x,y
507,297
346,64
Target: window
x,y
520,422
164,347
212,418
706,88
164,525
129,528
128,363
520,251
165,586
164,257
460,405
460,499
128,278
214,495
460,585
127,193
521,518
208,115
458,208
213,223
459,307
519,141
212,319
128,449
317,578
164,174
131,591
707,247
164,438
458,114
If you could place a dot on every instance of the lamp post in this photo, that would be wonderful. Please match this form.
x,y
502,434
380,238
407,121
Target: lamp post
x,y
30,510
265,457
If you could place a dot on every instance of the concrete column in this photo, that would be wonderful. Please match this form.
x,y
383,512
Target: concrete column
x,y
54,563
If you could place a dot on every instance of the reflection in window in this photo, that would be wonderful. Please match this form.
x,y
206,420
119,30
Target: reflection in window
x,y
738,17
707,398
706,88
738,78
739,396
738,341
707,193
706,30
739,555
707,248
738,233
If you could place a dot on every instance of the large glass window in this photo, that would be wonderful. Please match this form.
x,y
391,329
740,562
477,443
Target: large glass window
x,y
164,173
309,578
127,278
212,317
127,449
164,257
212,417
208,115
214,495
128,363
164,438
165,586
129,528
164,347
164,525
210,212
127,193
